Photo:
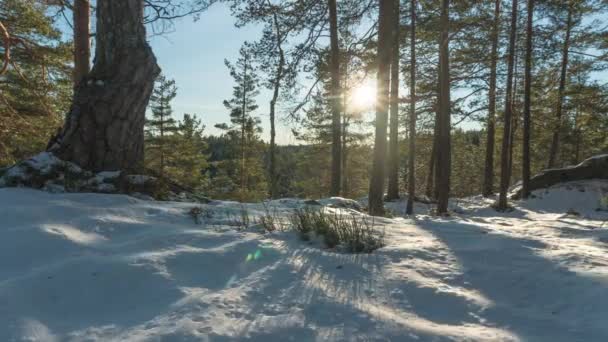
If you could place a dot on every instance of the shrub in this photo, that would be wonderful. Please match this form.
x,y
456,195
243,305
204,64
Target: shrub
x,y
199,212
270,220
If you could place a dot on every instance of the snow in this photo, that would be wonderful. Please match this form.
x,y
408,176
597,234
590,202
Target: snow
x,y
98,267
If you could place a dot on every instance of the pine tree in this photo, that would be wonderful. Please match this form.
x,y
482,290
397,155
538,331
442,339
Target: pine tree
x,y
188,161
376,187
36,85
393,148
412,119
241,106
527,102
161,128
488,182
82,45
102,135
506,139
336,93
443,166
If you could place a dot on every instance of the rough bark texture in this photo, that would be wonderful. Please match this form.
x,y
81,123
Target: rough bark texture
x,y
104,128
411,189
376,188
506,139
561,90
527,103
444,143
393,154
336,146
592,168
488,180
82,45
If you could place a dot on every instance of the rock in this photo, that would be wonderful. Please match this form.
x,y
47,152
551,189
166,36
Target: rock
x,y
592,168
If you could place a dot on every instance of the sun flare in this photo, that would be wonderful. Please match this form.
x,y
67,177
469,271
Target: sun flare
x,y
363,97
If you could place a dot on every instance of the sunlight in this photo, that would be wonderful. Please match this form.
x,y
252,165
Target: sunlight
x,y
363,97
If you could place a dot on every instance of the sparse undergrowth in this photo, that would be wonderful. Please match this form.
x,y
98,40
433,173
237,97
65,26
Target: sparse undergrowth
x,y
352,233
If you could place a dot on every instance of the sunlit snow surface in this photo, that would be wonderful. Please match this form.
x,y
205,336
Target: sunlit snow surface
x,y
90,267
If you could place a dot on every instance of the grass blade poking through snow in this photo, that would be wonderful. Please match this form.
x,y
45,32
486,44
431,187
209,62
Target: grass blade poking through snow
x,y
349,232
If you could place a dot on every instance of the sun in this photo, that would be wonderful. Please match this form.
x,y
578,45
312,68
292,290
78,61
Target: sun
x,y
363,97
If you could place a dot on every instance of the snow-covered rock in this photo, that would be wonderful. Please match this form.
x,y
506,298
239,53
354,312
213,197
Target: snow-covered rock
x,y
47,172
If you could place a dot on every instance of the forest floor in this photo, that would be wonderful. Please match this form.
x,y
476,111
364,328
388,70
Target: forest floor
x,y
92,267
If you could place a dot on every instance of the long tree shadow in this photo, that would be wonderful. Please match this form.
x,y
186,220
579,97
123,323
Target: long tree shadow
x,y
533,296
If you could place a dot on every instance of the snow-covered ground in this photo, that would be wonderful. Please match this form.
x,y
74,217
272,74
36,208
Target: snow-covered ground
x,y
91,267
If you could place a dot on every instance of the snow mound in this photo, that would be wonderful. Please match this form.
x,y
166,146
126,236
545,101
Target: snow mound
x,y
98,267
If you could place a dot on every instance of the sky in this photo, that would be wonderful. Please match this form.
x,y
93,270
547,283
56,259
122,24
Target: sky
x,y
193,55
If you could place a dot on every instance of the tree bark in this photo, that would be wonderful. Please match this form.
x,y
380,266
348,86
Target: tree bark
x,y
430,191
504,165
82,45
444,142
412,156
275,95
527,103
105,125
488,182
562,88
345,185
376,188
336,158
393,155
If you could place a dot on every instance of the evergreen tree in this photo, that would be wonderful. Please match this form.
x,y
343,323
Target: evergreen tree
x,y
188,160
35,87
244,127
161,127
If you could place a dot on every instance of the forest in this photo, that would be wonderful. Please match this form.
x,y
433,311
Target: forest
x,y
434,139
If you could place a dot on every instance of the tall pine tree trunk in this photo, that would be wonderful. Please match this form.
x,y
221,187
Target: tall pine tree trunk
x,y
488,180
504,158
444,143
82,45
376,188
412,156
430,191
336,158
104,129
345,190
393,155
562,88
273,102
243,184
527,103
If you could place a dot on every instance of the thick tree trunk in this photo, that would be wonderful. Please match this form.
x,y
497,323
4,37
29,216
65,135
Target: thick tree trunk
x,y
82,45
527,103
504,160
336,158
376,188
275,96
444,142
488,180
562,88
104,129
411,189
393,154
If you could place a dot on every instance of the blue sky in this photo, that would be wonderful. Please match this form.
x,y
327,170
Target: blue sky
x,y
193,54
